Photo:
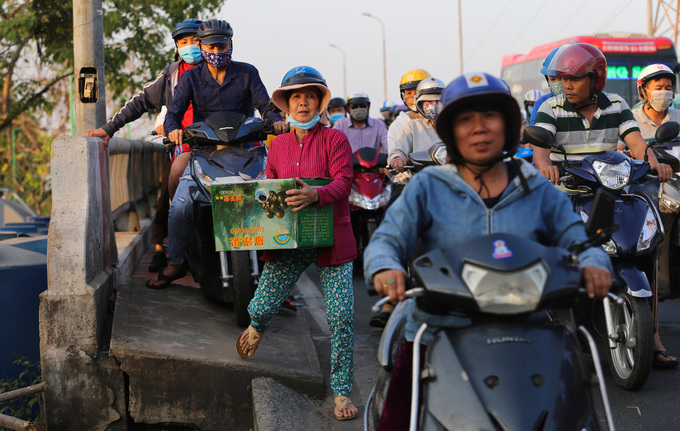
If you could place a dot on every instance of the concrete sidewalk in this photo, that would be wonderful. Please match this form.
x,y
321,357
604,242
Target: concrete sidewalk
x,y
177,349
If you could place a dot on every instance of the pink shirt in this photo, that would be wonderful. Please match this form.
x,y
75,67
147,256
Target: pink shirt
x,y
324,153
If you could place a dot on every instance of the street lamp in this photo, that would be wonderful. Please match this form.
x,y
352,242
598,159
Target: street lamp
x,y
382,25
344,69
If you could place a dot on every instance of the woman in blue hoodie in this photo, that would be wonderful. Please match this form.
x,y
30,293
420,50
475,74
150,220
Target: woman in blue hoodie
x,y
479,192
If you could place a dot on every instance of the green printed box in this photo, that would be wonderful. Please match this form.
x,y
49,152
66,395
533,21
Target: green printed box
x,y
253,215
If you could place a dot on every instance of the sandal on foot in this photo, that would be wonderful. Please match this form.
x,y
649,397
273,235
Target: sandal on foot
x,y
290,303
254,338
663,364
165,280
342,404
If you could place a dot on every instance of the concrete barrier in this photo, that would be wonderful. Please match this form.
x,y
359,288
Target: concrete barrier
x,y
97,202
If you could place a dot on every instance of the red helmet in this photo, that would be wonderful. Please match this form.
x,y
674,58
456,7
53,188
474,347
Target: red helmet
x,y
581,59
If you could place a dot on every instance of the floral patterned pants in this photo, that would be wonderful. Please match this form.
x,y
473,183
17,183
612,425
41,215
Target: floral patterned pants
x,y
276,282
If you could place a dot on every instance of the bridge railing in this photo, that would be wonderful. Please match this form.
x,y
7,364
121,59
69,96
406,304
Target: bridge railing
x,y
100,226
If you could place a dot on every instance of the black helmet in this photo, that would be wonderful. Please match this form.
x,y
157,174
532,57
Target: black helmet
x,y
337,102
215,31
185,28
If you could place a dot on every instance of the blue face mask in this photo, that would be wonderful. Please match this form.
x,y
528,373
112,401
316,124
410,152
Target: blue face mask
x,y
217,59
336,117
304,126
190,53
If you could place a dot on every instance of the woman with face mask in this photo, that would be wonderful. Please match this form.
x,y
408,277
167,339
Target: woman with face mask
x,y
157,95
311,150
656,88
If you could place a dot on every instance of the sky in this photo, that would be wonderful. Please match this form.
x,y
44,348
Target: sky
x,y
276,36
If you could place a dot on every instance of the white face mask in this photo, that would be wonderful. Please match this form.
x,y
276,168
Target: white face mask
x,y
660,100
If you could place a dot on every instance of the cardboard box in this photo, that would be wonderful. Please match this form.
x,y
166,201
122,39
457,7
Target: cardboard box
x,y
252,215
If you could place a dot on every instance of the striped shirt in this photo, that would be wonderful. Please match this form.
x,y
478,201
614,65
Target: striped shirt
x,y
324,153
612,120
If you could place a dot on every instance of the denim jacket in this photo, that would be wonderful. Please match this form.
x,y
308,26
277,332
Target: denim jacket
x,y
443,210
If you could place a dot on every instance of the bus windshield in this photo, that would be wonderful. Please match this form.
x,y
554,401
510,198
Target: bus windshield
x,y
623,72
626,56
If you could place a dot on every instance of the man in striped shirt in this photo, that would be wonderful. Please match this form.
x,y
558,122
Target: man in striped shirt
x,y
585,120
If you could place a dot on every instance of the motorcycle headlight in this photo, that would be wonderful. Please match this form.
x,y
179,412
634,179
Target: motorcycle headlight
x,y
506,292
649,230
613,176
204,178
669,195
439,155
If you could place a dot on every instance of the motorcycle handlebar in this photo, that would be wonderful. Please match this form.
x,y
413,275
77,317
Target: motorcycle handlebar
x,y
411,293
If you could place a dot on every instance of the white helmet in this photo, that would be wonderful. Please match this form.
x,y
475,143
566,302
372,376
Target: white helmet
x,y
653,71
532,96
429,89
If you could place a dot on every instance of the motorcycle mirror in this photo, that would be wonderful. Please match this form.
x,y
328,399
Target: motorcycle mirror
x,y
667,132
601,217
537,136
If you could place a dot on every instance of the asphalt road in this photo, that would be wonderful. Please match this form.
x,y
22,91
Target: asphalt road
x,y
656,406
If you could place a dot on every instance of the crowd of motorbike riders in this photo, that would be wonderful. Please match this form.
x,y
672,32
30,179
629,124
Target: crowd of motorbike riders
x,y
475,116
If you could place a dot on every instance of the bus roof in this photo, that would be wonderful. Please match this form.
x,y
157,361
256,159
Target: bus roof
x,y
630,43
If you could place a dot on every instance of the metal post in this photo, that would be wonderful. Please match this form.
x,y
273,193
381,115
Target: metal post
x,y
88,56
384,49
460,37
344,69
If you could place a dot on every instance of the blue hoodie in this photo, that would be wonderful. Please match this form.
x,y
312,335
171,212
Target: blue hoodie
x,y
440,208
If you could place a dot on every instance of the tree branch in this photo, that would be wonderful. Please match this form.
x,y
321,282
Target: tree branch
x,y
10,117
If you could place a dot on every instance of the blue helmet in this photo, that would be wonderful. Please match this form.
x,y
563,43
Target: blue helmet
x,y
544,69
298,77
472,90
185,28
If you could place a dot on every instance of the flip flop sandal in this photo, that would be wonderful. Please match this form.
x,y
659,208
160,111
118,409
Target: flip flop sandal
x,y
290,303
254,338
342,404
656,363
166,280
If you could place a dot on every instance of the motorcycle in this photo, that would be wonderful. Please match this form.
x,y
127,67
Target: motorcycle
x,y
628,331
668,274
371,190
222,147
512,365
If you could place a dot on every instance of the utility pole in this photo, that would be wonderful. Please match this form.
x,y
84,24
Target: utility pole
x,y
667,11
88,65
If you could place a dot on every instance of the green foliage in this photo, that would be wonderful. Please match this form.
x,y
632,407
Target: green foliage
x,y
36,58
28,408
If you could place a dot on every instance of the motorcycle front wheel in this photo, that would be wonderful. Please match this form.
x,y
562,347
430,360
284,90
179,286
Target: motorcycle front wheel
x,y
631,359
243,286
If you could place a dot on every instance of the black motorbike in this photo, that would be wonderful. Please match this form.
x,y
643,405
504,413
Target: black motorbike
x,y
222,146
628,331
512,365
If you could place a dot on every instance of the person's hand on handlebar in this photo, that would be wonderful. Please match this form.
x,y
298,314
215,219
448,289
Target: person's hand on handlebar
x,y
392,283
176,136
664,171
279,127
597,281
398,163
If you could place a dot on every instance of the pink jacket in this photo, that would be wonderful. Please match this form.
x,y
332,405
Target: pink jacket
x,y
324,153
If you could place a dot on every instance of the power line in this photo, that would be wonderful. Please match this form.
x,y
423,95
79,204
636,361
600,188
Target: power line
x,y
467,60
